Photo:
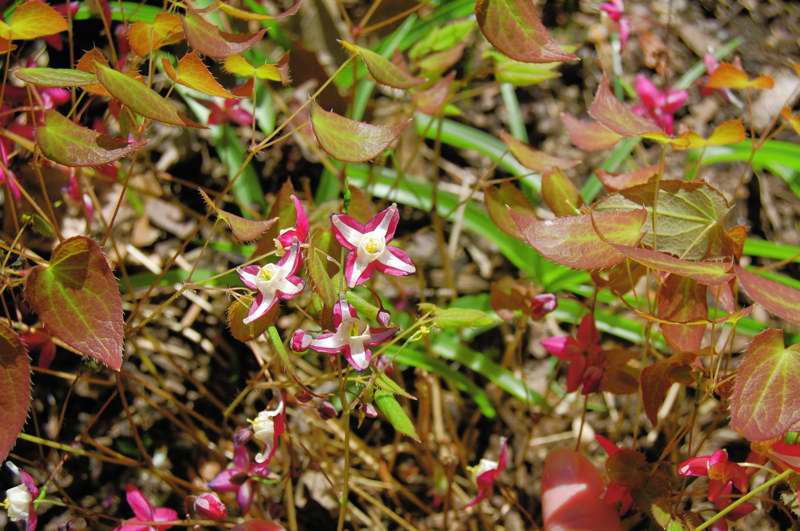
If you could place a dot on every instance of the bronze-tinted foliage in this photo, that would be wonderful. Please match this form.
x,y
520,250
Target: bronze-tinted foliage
x,y
15,393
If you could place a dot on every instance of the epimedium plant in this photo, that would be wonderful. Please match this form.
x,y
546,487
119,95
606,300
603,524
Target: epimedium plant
x,y
661,249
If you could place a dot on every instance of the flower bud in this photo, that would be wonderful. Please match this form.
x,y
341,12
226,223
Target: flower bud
x,y
326,410
208,505
542,304
19,503
300,341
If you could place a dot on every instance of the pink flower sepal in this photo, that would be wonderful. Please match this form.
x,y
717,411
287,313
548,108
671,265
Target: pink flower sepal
x,y
299,232
238,478
660,105
268,426
368,246
208,505
486,473
272,282
147,516
352,337
723,476
584,355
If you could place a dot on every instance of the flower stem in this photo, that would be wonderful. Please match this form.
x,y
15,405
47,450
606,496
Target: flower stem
x,y
777,479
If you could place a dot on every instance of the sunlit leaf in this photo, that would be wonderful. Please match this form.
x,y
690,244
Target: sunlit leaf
x,y
442,38
77,297
657,378
778,299
209,40
193,73
381,69
690,217
729,132
243,229
32,20
349,140
501,201
574,242
682,300
728,76
617,116
533,159
432,100
457,318
238,65
15,393
704,272
139,97
145,38
587,135
87,63
615,182
765,403
560,194
63,141
514,28
55,77
394,413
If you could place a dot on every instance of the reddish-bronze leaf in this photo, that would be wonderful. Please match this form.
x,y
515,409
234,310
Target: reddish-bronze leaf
x,y
209,40
67,143
765,402
704,272
349,140
617,116
619,377
657,378
243,229
682,300
15,391
501,201
433,100
614,182
589,136
533,159
514,28
77,297
560,194
574,242
778,299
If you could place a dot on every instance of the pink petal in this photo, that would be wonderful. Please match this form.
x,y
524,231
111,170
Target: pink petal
x,y
328,343
385,222
291,260
260,307
357,272
648,93
347,230
245,496
298,284
138,503
395,262
562,347
357,355
695,466
624,32
301,220
342,311
248,275
224,481
301,340
675,100
164,514
379,335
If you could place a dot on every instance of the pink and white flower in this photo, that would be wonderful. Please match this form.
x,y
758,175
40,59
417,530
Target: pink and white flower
x,y
297,233
352,337
368,246
146,513
486,473
268,426
273,282
19,502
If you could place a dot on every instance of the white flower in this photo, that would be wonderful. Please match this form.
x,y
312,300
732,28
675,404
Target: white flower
x,y
19,502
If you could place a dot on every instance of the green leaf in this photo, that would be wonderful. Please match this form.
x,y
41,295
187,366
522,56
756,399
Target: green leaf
x,y
458,318
689,216
381,69
442,38
349,140
67,143
765,403
77,297
207,39
55,77
15,391
139,97
514,28
777,299
395,414
321,282
521,74
387,384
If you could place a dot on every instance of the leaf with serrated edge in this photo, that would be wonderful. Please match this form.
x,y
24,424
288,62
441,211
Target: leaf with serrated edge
x,y
689,216
243,229
704,272
589,136
32,20
15,391
515,28
193,73
349,140
209,40
778,299
682,300
77,297
67,143
140,98
55,77
534,159
572,241
765,403
617,116
381,69
145,38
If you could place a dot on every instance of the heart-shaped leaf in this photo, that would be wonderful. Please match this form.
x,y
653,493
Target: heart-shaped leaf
x,y
139,97
573,241
145,38
704,272
533,159
209,40
765,403
15,392
193,73
614,182
63,141
433,100
778,299
514,28
349,140
587,135
32,20
238,65
55,77
77,297
726,133
381,69
617,116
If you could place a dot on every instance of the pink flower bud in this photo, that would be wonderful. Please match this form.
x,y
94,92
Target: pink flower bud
x,y
370,411
300,341
208,505
543,304
384,317
326,410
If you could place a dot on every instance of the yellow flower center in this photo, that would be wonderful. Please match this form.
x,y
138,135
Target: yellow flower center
x,y
373,245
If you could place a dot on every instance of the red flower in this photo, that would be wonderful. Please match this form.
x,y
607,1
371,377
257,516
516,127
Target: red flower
x,y
486,473
146,514
584,355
